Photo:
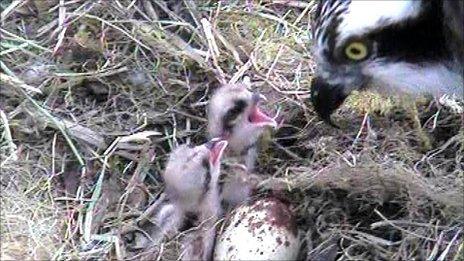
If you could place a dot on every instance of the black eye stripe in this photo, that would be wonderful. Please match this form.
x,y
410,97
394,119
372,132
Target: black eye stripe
x,y
207,180
232,114
413,40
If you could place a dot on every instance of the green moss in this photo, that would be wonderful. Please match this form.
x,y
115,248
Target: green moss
x,y
370,102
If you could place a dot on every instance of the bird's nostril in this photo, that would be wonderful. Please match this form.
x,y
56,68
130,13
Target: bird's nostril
x,y
315,93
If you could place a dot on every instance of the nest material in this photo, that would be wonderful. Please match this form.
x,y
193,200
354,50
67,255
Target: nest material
x,y
95,94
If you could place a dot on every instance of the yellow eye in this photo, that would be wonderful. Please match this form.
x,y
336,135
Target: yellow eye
x,y
356,51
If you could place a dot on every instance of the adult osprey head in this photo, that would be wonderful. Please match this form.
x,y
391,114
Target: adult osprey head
x,y
409,46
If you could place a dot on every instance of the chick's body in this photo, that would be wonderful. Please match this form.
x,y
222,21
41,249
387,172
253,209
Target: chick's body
x,y
238,186
191,178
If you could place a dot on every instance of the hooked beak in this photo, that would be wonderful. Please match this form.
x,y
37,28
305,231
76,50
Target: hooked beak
x,y
258,117
326,98
216,147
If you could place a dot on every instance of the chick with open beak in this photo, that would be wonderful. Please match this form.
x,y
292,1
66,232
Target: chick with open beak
x,y
234,114
192,186
192,174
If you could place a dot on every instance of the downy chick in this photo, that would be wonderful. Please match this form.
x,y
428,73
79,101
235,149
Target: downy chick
x,y
192,174
238,186
191,178
234,114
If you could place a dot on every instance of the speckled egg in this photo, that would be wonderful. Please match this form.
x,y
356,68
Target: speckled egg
x,y
263,230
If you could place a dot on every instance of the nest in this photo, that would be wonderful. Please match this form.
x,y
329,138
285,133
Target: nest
x,y
95,94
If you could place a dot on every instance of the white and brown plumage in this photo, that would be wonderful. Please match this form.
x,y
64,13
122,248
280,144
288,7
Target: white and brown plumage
x,y
234,114
396,47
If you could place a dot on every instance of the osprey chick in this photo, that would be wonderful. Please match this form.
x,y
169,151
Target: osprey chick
x,y
192,185
234,114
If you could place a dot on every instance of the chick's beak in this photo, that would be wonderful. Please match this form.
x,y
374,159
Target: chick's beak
x,y
257,116
216,148
326,98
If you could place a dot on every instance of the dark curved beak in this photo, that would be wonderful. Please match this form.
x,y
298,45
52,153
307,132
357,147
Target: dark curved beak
x,y
326,98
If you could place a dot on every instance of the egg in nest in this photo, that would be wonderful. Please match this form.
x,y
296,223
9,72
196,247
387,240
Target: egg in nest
x,y
263,230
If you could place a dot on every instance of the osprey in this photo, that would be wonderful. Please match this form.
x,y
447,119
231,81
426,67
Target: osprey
x,y
398,47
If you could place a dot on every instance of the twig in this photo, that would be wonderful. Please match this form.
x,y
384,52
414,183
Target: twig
x,y
95,196
61,127
290,153
117,28
213,49
95,74
10,80
400,228
8,138
240,72
448,247
32,43
365,120
292,3
5,13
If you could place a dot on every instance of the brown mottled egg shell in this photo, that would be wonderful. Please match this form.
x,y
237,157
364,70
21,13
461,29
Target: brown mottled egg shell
x,y
263,230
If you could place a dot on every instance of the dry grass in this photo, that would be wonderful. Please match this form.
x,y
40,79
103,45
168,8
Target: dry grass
x,y
96,93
